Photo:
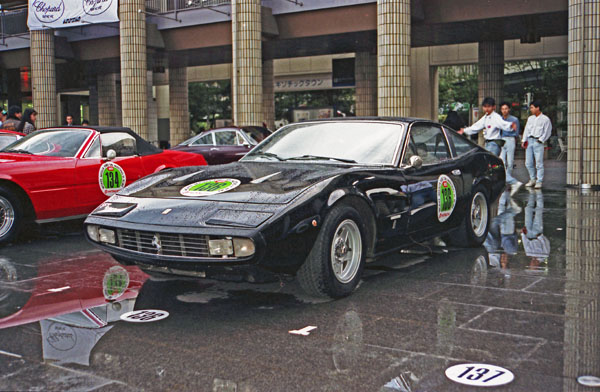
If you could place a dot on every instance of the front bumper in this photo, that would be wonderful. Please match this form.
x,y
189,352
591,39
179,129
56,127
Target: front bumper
x,y
180,248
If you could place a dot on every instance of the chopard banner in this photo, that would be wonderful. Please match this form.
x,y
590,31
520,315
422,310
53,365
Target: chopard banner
x,y
57,14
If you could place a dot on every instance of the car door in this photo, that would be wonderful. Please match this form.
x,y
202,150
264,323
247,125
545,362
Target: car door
x,y
435,187
98,178
227,147
202,145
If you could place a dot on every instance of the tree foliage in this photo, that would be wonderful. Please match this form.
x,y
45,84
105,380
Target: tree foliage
x,y
209,101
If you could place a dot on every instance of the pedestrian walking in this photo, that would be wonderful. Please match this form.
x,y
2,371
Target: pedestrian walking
x,y
14,118
492,125
27,124
507,154
537,132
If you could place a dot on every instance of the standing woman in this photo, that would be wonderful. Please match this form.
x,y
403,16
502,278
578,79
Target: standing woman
x,y
27,124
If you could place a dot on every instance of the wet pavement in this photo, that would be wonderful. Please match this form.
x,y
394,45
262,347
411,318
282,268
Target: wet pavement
x,y
528,301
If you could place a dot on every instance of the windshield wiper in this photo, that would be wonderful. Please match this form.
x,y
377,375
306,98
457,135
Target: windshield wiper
x,y
317,157
18,151
270,155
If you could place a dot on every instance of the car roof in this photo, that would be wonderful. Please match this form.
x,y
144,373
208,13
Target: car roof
x,y
372,118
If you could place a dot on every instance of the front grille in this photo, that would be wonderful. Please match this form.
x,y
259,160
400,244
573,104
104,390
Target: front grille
x,y
167,244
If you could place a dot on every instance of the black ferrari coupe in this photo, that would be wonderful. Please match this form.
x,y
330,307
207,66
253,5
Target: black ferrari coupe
x,y
317,199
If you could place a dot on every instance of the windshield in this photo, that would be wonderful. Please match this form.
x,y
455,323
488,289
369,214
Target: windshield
x,y
53,143
346,141
6,139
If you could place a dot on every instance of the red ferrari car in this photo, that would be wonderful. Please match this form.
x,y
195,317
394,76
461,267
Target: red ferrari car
x,y
9,137
64,173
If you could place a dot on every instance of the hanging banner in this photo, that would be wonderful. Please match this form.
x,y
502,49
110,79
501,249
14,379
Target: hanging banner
x,y
55,14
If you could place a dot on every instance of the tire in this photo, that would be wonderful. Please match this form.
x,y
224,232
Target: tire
x,y
344,233
11,215
473,230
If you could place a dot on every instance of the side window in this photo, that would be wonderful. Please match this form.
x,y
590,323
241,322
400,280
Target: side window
x,y
123,144
94,151
204,140
461,144
226,138
240,139
429,143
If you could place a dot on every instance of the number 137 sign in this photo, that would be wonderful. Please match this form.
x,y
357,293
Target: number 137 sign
x,y
479,375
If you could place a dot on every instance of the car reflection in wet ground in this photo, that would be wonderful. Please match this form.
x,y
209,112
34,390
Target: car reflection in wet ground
x,y
527,301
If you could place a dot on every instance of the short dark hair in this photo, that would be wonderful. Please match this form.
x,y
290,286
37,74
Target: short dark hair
x,y
536,104
488,101
505,103
69,115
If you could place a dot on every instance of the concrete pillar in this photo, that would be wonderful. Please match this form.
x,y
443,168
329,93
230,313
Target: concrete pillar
x,y
584,93
109,98
152,111
491,73
133,66
43,78
268,94
179,111
424,85
365,74
582,315
393,57
247,83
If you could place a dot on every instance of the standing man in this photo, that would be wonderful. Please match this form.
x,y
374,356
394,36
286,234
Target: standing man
x,y
3,114
69,120
14,118
492,125
508,150
537,131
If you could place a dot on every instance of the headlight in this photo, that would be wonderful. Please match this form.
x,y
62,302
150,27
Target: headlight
x,y
92,231
107,236
243,247
220,247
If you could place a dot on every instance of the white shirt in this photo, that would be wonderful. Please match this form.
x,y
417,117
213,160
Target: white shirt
x,y
539,127
536,247
492,124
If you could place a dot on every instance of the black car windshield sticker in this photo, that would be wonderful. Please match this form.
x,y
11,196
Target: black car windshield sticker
x,y
446,198
210,187
111,178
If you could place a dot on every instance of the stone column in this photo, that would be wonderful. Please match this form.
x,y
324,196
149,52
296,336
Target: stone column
x,y
152,111
491,74
133,66
365,74
43,78
268,94
584,93
247,83
108,100
179,111
393,57
581,292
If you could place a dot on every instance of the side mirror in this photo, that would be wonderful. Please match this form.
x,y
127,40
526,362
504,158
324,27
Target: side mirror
x,y
416,161
110,155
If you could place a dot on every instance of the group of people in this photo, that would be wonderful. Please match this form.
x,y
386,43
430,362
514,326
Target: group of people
x,y
17,120
501,133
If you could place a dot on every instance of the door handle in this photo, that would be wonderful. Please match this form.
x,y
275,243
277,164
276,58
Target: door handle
x,y
456,172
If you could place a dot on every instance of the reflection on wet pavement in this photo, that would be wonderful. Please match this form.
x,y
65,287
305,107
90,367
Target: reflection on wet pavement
x,y
527,301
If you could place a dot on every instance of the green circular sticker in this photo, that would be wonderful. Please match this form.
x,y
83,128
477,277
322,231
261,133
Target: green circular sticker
x,y
111,178
115,282
210,187
446,197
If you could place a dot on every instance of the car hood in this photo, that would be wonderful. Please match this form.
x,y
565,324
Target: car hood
x,y
253,182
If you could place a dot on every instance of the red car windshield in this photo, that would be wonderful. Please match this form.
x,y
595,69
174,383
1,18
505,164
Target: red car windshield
x,y
6,139
54,143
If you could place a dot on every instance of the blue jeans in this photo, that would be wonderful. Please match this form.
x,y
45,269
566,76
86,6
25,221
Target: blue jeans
x,y
508,156
492,147
534,215
534,159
